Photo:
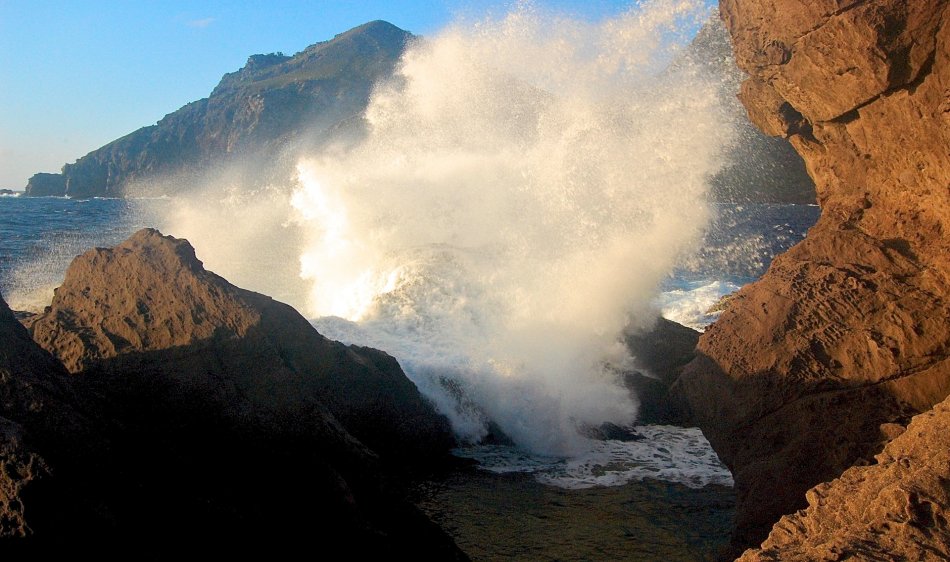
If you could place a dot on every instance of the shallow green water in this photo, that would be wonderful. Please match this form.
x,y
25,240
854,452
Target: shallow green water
x,y
513,517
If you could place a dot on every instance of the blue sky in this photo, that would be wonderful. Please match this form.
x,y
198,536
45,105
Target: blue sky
x,y
75,75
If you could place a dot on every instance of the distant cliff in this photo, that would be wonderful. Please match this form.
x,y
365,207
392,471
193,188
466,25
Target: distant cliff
x,y
277,103
759,168
273,101
45,185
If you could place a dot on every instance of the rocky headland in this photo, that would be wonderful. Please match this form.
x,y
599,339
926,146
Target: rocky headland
x,y
162,409
276,103
816,366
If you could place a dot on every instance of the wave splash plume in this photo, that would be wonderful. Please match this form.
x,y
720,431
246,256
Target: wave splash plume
x,y
524,186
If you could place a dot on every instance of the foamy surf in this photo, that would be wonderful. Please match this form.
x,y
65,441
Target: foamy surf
x,y
694,303
667,453
524,187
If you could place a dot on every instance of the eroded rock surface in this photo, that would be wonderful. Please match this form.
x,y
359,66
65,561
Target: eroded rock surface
x,y
849,331
41,431
896,509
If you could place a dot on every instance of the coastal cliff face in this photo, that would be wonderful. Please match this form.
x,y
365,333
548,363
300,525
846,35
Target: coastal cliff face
x,y
810,370
259,119
194,416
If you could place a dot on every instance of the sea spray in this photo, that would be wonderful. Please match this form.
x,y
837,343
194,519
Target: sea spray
x,y
524,186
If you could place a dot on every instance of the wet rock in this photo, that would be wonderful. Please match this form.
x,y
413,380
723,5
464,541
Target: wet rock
x,y
660,354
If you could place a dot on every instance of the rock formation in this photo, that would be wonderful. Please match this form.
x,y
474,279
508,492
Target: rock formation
x,y
45,185
38,428
893,510
759,168
196,413
846,335
660,353
119,309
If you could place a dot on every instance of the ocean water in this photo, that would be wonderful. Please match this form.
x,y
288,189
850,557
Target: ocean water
x,y
40,236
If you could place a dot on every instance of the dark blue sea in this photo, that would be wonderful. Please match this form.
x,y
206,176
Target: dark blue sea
x,y
39,237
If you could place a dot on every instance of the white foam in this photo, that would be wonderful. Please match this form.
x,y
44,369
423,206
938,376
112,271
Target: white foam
x,y
525,185
668,453
690,304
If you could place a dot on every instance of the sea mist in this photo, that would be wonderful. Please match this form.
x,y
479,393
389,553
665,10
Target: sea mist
x,y
524,184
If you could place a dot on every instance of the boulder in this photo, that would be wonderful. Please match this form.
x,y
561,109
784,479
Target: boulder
x,y
148,308
660,353
848,331
195,418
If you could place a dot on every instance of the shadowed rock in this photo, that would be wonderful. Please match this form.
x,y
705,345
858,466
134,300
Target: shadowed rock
x,y
200,416
661,353
148,308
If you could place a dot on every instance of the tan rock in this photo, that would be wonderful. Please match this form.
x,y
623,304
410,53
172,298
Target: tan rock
x,y
850,329
896,509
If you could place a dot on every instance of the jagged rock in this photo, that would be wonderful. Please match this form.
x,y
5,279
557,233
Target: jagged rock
x,y
198,416
660,353
44,487
896,509
848,331
20,469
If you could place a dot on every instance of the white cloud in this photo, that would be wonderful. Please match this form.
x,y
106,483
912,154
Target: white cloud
x,y
200,23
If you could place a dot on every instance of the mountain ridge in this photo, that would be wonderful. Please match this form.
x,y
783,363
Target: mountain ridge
x,y
252,112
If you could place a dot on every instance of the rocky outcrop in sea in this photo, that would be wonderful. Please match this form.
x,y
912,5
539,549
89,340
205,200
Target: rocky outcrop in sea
x,y
274,104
